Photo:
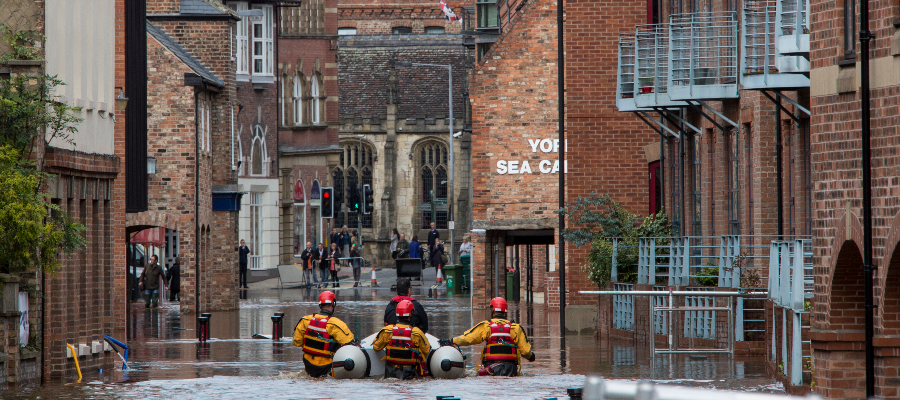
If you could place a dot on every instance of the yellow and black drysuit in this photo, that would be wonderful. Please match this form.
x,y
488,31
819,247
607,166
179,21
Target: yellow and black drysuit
x,y
320,335
407,351
506,344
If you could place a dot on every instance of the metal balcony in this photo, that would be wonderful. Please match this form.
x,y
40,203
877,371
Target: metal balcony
x,y
792,37
625,76
652,72
763,65
703,56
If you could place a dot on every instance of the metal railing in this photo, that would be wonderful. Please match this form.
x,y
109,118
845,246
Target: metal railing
x,y
703,56
596,388
791,285
699,322
652,66
769,58
625,77
623,307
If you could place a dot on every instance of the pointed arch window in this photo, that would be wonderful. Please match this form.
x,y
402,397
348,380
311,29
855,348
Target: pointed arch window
x,y
354,168
258,155
298,100
432,167
316,100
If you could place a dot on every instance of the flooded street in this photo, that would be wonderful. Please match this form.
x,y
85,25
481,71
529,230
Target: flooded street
x,y
166,360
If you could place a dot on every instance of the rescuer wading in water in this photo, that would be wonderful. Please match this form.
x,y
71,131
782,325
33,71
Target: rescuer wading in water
x,y
506,342
320,335
406,347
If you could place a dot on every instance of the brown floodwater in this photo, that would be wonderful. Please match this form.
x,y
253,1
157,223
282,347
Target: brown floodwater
x,y
167,361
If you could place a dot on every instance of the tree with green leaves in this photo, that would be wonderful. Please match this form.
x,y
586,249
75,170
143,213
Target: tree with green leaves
x,y
598,220
33,231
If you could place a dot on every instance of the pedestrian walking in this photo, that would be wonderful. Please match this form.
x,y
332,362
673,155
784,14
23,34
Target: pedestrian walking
x,y
149,282
323,265
306,258
402,247
243,252
356,263
465,249
395,238
173,276
334,265
433,236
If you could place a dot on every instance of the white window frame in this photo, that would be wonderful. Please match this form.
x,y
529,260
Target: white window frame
x,y
314,93
298,100
266,41
346,31
259,140
242,48
256,229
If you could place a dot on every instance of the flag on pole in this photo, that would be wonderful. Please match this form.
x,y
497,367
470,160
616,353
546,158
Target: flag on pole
x,y
448,12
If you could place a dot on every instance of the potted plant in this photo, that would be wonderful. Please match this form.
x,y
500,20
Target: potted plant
x,y
646,85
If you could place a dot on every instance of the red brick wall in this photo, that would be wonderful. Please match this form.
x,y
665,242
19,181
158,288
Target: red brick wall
x,y
380,16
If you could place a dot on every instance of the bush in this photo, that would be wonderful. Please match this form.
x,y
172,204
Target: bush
x,y
600,219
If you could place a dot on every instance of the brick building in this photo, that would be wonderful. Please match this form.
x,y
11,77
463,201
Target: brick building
x,y
838,308
307,120
84,300
186,89
704,142
394,125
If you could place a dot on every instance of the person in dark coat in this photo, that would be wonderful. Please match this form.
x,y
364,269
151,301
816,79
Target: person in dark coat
x,y
307,264
437,254
173,276
149,282
418,319
324,264
335,237
243,251
333,262
433,236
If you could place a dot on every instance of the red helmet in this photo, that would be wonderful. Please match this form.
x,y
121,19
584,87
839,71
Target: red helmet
x,y
404,308
498,304
327,297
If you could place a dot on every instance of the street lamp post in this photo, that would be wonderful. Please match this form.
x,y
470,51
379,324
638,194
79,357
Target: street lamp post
x,y
450,167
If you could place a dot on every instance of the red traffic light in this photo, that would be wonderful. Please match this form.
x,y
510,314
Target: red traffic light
x,y
326,195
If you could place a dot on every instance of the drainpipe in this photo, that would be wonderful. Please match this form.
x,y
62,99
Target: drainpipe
x,y
561,85
197,208
869,268
778,169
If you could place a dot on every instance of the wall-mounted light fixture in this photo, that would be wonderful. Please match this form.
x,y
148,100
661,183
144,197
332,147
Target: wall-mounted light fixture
x,y
151,164
121,100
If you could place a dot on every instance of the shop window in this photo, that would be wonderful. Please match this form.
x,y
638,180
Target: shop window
x,y
256,221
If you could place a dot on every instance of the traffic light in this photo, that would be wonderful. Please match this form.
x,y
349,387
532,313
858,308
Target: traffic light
x,y
368,199
354,199
327,202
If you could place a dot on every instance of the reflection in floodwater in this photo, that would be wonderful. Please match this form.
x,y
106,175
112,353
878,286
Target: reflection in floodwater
x,y
168,362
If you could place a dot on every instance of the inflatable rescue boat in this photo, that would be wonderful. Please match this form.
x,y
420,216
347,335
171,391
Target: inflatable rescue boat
x,y
352,362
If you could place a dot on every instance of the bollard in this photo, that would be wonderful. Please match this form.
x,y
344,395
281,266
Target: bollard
x,y
574,393
277,326
203,328
593,388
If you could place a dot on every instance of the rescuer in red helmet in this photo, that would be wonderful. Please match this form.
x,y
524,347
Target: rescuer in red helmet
x,y
407,347
320,335
506,342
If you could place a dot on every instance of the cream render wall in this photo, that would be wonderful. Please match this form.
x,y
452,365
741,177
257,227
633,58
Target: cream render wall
x,y
80,52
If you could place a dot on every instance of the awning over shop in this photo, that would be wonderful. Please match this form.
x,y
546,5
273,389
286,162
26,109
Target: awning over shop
x,y
150,237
